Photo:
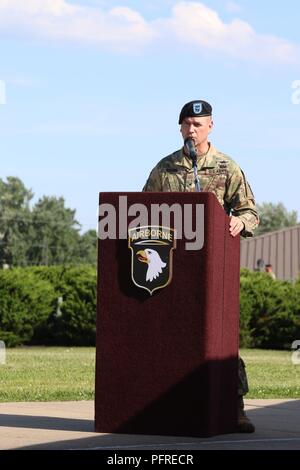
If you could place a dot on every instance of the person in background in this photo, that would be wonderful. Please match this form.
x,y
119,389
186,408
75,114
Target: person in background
x,y
269,270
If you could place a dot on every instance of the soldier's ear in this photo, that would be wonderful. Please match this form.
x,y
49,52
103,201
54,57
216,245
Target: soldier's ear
x,y
211,124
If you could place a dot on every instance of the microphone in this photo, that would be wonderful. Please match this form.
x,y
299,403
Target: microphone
x,y
189,143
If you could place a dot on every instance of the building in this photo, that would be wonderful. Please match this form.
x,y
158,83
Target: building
x,y
281,249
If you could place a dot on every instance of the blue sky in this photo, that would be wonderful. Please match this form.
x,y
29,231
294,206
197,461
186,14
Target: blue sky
x,y
94,90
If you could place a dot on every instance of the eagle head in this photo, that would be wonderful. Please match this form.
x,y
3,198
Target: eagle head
x,y
154,261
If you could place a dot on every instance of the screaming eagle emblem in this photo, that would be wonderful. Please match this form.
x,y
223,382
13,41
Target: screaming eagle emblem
x,y
151,256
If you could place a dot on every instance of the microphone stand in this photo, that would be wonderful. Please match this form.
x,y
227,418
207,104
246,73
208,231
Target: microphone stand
x,y
193,156
195,169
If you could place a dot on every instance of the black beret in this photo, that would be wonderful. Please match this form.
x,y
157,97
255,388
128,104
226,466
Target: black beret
x,y
194,109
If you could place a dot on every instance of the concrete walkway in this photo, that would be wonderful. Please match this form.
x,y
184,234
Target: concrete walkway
x,y
69,425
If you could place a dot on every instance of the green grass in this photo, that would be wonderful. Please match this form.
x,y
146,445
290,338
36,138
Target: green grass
x,y
271,374
52,373
47,374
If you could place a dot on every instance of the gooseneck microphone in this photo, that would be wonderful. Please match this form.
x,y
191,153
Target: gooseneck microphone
x,y
189,143
192,153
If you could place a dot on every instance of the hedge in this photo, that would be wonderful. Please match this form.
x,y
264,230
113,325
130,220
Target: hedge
x,y
26,302
269,311
30,312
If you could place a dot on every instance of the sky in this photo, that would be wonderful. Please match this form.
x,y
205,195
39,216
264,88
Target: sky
x,y
91,91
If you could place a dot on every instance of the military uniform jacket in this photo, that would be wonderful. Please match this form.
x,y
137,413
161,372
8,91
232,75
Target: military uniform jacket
x,y
217,173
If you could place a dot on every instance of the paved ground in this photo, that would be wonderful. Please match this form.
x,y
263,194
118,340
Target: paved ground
x,y
69,425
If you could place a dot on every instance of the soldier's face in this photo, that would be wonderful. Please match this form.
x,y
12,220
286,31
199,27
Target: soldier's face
x,y
196,128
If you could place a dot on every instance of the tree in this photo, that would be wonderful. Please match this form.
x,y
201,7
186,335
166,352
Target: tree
x,y
55,232
87,247
15,221
48,233
274,217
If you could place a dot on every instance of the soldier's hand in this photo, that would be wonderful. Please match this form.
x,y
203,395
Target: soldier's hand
x,y
235,226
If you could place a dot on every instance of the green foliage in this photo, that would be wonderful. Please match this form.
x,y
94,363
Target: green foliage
x,y
25,303
15,222
46,234
274,217
57,305
77,322
56,232
73,322
269,311
87,247
48,305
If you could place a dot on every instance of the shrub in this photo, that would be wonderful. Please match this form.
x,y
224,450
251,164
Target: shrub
x,y
74,321
25,304
29,308
269,311
30,312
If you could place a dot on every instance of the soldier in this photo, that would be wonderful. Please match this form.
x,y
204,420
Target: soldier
x,y
219,174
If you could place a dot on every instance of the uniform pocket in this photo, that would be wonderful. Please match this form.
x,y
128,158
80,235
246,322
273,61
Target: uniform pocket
x,y
173,181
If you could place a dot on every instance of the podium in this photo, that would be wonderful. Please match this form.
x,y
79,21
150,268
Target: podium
x,y
167,361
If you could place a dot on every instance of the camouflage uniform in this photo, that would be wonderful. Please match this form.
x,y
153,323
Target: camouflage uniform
x,y
219,174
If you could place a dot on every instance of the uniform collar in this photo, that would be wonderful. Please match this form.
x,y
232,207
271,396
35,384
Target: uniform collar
x,y
205,160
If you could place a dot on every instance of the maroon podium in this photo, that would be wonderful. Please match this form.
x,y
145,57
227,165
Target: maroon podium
x,y
167,362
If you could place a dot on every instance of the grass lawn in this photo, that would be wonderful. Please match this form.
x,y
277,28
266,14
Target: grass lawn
x,y
271,374
47,374
52,373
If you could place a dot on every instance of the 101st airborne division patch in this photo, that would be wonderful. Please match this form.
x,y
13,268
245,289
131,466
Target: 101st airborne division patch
x,y
151,256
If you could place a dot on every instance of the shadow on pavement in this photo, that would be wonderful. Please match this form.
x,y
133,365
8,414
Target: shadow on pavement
x,y
277,428
46,422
